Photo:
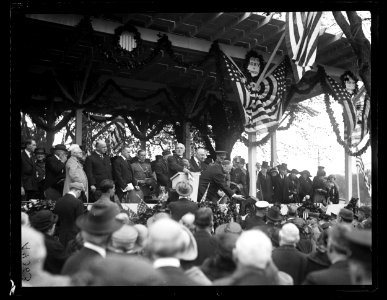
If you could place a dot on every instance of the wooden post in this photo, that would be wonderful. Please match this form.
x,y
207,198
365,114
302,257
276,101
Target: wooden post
x,y
358,185
348,177
252,156
188,138
273,141
78,126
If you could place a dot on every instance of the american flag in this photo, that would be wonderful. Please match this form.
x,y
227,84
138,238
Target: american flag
x,y
141,207
302,32
205,194
360,165
266,102
362,108
344,98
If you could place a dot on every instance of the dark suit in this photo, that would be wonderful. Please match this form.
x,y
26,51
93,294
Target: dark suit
x,y
239,177
175,164
56,255
289,260
215,177
162,173
28,176
68,208
285,190
277,184
98,169
55,176
181,207
254,221
206,246
265,186
306,187
122,174
195,167
175,276
79,259
336,274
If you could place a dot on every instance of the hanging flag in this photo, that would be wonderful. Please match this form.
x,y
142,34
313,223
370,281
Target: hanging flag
x,y
344,98
302,32
360,166
267,101
141,207
362,109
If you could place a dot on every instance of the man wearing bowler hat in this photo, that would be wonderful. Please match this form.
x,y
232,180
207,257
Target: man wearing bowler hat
x,y
69,208
45,222
56,172
264,184
96,228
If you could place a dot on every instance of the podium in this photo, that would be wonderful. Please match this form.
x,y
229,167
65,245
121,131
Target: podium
x,y
194,181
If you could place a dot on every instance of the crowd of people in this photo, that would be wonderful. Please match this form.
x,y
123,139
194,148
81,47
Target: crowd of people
x,y
103,246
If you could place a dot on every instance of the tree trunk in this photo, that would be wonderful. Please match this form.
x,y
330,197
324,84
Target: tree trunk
x,y
50,136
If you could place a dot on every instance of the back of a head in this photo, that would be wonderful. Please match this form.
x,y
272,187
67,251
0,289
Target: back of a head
x,y
337,239
117,270
253,248
289,234
106,185
203,217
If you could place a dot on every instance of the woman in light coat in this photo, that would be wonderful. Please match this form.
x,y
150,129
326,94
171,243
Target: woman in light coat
x,y
74,170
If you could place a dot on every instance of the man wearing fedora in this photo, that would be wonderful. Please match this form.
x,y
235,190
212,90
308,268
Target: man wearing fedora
x,y
55,172
97,168
96,228
69,208
183,205
29,181
273,224
40,154
306,186
264,185
45,222
169,242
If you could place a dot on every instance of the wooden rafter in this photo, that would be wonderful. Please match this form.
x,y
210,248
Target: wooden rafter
x,y
205,24
231,25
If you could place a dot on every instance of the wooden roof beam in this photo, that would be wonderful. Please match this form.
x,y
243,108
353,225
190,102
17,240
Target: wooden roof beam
x,y
273,36
259,25
201,27
181,21
231,25
149,35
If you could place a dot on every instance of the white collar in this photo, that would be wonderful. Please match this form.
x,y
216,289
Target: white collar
x,y
57,156
28,153
72,193
197,161
166,262
122,156
101,251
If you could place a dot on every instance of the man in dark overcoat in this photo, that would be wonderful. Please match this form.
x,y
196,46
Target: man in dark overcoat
x,y
306,186
197,162
29,182
183,205
97,168
69,208
214,179
161,170
56,172
123,173
264,185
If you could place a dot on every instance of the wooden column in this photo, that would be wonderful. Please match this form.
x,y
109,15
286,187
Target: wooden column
x,y
252,156
188,138
273,142
78,126
348,177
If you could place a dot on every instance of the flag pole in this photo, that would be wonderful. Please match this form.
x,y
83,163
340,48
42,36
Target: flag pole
x,y
358,185
263,74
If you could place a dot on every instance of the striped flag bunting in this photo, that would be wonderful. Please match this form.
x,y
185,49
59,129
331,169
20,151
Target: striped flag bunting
x,y
302,31
360,166
362,108
263,105
344,98
141,207
205,194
